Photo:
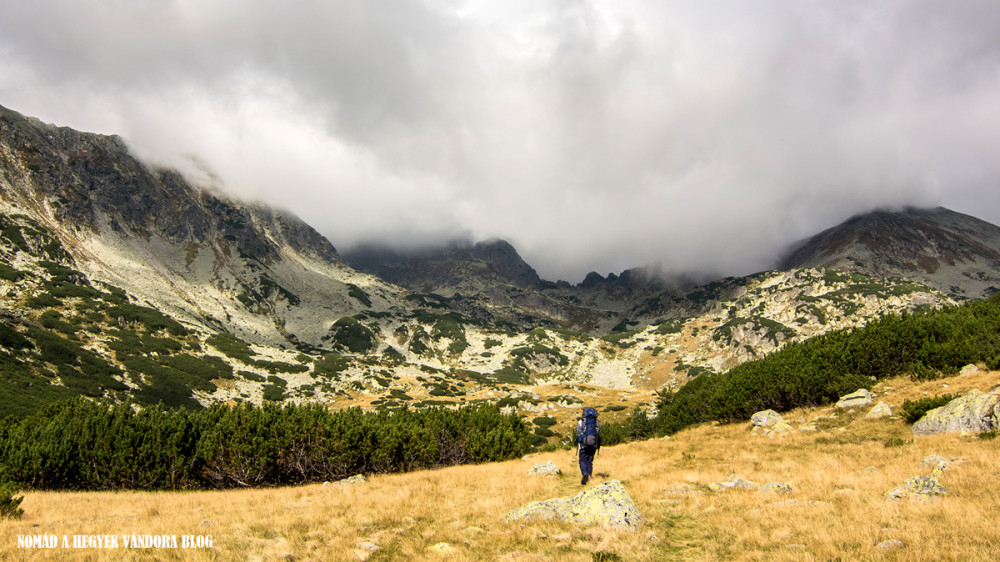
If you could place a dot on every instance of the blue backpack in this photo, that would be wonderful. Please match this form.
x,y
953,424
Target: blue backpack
x,y
591,436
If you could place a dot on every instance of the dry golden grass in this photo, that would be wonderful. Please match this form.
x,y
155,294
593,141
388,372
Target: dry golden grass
x,y
836,511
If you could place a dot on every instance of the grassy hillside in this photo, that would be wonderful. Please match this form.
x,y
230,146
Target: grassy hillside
x,y
819,370
838,473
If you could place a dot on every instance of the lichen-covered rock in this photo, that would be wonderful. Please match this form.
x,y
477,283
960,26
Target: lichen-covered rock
x,y
775,488
935,461
605,504
881,410
356,479
545,469
857,399
778,429
765,419
918,488
975,412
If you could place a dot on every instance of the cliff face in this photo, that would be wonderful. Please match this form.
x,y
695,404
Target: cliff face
x,y
952,252
261,273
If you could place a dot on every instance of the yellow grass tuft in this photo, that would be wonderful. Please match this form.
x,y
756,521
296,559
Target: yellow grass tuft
x,y
836,510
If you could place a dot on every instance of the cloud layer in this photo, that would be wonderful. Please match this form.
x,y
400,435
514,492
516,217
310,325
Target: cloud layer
x,y
591,135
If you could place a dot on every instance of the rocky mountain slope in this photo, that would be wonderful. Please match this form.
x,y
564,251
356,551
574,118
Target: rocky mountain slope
x,y
952,252
200,257
126,282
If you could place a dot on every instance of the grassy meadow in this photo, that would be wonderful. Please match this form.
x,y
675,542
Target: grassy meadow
x,y
838,474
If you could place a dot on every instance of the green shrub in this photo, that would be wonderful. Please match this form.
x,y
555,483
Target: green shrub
x,y
231,346
273,392
41,301
69,445
544,421
330,365
153,320
914,410
251,376
536,440
351,335
9,505
393,356
355,292
8,273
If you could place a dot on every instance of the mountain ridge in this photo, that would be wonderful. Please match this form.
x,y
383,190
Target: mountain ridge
x,y
120,281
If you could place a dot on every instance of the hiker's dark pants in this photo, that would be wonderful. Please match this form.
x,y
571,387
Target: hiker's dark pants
x,y
587,460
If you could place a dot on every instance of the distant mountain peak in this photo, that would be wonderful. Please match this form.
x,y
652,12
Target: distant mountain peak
x,y
953,252
450,267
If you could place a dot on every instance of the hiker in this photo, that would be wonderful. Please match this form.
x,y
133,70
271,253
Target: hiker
x,y
588,439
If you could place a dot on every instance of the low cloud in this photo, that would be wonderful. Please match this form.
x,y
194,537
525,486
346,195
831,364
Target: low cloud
x,y
698,136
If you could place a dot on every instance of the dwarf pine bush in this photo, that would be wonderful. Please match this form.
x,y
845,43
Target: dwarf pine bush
x,y
84,445
10,505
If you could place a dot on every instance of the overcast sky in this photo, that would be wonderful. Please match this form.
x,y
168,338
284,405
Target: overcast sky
x,y
701,135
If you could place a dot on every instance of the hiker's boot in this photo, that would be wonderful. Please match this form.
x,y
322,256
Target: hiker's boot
x,y
585,478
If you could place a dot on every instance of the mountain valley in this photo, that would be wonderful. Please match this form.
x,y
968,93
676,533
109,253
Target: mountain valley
x,y
124,282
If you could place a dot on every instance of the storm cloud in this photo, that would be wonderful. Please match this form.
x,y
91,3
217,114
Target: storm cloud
x,y
700,136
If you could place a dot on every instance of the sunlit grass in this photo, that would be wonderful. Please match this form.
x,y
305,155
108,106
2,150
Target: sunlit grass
x,y
836,510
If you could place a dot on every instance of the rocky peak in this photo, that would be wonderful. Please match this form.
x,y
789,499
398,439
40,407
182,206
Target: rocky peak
x,y
447,268
950,251
507,262
92,181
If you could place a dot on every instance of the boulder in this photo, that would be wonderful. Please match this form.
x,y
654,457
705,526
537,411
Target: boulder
x,y
545,469
765,419
881,410
918,488
969,369
974,413
606,504
857,399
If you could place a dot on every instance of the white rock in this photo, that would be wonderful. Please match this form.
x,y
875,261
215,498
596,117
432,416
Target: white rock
x,y
859,398
881,410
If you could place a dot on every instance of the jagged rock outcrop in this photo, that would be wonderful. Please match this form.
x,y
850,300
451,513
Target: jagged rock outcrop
x,y
606,504
975,412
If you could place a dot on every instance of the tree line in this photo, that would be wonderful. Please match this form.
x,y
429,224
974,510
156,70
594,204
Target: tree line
x,y
85,445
